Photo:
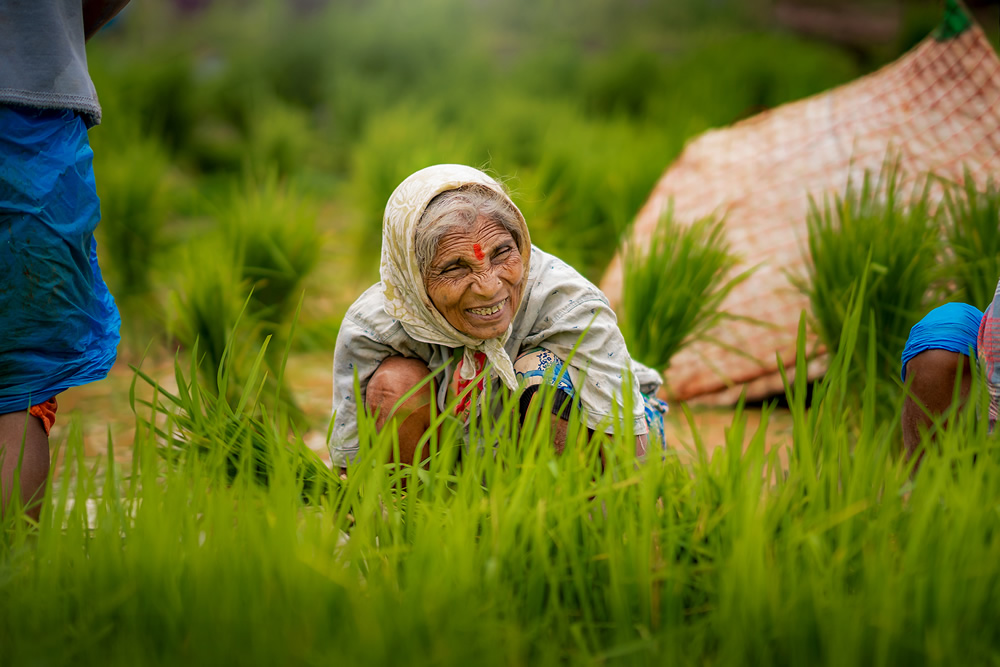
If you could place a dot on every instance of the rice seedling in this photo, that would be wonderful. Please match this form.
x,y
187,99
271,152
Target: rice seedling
x,y
249,271
673,289
508,554
623,83
723,77
209,299
157,90
232,429
272,234
882,236
972,235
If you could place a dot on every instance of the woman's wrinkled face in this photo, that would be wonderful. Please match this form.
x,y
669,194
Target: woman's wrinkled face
x,y
474,278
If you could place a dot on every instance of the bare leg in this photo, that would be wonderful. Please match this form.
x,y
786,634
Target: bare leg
x,y
17,428
394,378
932,376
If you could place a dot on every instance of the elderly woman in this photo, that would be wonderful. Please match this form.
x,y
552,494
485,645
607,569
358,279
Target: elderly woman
x,y
459,277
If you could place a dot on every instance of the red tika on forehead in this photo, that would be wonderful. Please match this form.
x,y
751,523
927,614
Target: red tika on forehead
x,y
478,250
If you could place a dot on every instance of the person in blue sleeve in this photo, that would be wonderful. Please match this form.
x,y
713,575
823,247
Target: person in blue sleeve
x,y
939,354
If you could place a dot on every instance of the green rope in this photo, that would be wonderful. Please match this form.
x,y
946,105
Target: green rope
x,y
954,22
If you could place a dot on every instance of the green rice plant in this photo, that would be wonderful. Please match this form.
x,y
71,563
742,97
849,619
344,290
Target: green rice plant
x,y
512,127
271,233
298,47
623,82
232,430
209,299
972,234
724,76
887,232
842,555
673,287
251,269
550,73
158,89
215,317
386,55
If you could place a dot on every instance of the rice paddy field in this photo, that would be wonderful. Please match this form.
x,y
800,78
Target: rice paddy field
x,y
246,152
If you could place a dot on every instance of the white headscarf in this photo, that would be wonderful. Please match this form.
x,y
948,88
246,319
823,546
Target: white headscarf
x,y
403,294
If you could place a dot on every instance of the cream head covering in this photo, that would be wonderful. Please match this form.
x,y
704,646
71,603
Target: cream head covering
x,y
403,295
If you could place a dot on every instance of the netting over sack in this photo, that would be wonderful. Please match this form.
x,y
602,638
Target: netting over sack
x,y
938,107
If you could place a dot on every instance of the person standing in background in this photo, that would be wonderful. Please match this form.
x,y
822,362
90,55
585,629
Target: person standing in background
x,y
59,326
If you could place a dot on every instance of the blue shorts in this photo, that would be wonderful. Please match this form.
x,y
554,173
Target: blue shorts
x,y
58,323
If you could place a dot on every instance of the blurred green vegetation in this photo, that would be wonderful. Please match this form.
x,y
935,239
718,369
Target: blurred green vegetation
x,y
578,107
829,550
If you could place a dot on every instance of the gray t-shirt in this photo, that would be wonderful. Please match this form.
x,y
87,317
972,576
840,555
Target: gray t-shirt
x,y
558,306
43,58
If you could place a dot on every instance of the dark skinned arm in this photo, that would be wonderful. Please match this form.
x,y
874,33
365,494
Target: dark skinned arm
x,y
96,13
932,376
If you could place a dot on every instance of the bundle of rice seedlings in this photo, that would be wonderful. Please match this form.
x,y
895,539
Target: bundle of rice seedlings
x,y
673,290
209,300
272,233
972,232
248,271
233,430
889,234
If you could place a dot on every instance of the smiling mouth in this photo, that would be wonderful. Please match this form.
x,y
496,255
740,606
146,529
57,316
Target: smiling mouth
x,y
490,310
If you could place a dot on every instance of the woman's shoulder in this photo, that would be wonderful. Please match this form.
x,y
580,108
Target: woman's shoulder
x,y
558,298
368,314
368,306
367,325
555,283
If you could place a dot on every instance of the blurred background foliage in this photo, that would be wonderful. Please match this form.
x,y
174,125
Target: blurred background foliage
x,y
252,144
